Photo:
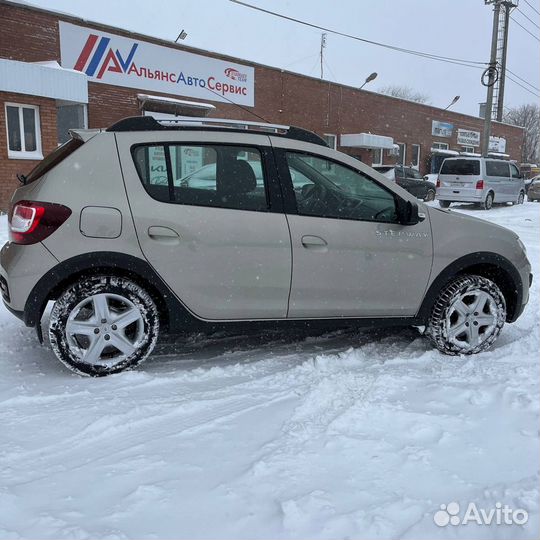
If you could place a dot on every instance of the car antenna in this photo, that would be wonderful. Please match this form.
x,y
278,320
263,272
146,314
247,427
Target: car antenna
x,y
240,106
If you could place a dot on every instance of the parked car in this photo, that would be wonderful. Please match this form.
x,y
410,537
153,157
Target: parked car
x,y
328,241
411,180
484,181
534,190
529,182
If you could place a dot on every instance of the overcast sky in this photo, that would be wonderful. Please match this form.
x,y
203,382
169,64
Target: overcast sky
x,y
454,28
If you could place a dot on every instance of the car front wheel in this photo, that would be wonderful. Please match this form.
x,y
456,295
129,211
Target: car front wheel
x,y
521,197
102,325
468,316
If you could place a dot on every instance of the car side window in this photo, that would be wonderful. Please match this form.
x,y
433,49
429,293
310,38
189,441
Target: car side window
x,y
333,190
514,171
497,168
203,175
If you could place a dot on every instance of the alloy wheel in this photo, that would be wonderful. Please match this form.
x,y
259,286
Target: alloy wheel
x,y
471,319
104,329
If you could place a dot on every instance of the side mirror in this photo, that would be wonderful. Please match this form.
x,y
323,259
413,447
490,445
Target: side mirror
x,y
407,212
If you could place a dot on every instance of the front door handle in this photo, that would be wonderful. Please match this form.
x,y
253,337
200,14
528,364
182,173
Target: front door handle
x,y
314,242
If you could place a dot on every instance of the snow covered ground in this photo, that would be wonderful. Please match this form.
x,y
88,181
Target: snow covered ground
x,y
347,435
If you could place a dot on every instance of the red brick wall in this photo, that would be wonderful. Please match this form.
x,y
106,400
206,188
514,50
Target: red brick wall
x,y
280,97
10,167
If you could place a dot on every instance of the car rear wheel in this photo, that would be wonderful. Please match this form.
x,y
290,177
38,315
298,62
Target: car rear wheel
x,y
430,195
444,204
102,325
521,197
468,316
488,201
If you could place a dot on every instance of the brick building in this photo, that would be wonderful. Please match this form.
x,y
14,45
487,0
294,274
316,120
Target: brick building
x,y
59,72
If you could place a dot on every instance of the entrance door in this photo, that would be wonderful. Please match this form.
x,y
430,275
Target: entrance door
x,y
350,256
204,221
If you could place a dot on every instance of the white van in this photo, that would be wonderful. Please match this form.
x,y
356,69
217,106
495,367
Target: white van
x,y
483,181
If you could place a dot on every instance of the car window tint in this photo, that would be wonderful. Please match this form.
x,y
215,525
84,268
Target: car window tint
x,y
461,167
203,175
335,191
497,168
514,171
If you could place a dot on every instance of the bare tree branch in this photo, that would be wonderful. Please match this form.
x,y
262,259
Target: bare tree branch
x,y
528,117
405,92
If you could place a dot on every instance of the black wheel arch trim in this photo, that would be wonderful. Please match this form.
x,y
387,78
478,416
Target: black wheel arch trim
x,y
459,266
139,269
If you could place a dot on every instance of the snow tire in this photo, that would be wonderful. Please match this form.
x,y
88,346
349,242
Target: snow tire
x,y
121,291
438,329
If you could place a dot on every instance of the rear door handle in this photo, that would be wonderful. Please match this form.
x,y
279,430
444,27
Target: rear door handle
x,y
162,233
314,242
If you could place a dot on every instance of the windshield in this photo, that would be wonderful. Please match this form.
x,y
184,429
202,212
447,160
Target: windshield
x,y
462,167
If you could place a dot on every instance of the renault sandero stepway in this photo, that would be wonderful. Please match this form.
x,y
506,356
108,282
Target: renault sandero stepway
x,y
154,227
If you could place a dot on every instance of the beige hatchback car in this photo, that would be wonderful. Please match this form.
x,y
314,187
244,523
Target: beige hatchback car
x,y
154,227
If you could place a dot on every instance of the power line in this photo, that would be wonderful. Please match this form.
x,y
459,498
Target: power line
x,y
528,18
519,24
522,86
532,7
447,59
522,79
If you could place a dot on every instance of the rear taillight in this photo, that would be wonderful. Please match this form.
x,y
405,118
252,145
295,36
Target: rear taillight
x,y
31,222
438,184
480,184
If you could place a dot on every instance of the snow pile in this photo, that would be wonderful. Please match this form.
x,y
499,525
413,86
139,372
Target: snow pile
x,y
360,435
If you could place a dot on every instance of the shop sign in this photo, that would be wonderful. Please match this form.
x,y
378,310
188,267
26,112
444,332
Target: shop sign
x,y
497,144
466,137
441,129
132,63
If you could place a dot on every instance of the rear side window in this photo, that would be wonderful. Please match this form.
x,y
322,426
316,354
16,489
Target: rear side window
x,y
497,168
203,175
461,167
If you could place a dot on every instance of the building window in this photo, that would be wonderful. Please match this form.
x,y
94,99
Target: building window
x,y
440,145
23,132
468,149
402,153
415,158
69,116
376,156
331,140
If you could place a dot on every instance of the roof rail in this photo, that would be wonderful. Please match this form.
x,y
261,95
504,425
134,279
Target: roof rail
x,y
149,123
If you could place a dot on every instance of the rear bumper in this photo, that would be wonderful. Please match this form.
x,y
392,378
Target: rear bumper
x,y
460,194
17,313
21,267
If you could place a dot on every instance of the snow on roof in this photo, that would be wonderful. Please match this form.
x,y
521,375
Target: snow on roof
x,y
444,151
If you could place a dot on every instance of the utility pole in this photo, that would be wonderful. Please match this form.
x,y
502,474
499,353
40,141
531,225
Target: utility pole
x,y
323,45
492,75
504,18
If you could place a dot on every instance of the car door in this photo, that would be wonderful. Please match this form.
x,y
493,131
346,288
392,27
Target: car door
x,y
418,183
350,258
497,175
516,182
221,242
